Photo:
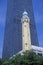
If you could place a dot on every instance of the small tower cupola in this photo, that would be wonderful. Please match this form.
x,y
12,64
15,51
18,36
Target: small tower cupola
x,y
25,13
25,17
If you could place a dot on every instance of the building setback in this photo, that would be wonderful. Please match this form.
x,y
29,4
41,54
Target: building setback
x,y
13,28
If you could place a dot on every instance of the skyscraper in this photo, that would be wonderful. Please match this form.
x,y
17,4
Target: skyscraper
x,y
13,29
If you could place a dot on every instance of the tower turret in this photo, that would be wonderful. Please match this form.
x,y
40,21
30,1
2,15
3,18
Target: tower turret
x,y
26,40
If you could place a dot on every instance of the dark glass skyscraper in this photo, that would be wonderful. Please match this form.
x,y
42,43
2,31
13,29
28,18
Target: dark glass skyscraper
x,y
13,28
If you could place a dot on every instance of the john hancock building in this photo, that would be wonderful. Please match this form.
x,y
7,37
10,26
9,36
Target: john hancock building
x,y
13,28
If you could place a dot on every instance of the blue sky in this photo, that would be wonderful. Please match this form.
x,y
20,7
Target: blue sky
x,y
38,14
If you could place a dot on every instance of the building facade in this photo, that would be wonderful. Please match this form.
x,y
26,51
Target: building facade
x,y
13,28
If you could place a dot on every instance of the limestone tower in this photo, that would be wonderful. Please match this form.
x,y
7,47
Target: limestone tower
x,y
26,40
